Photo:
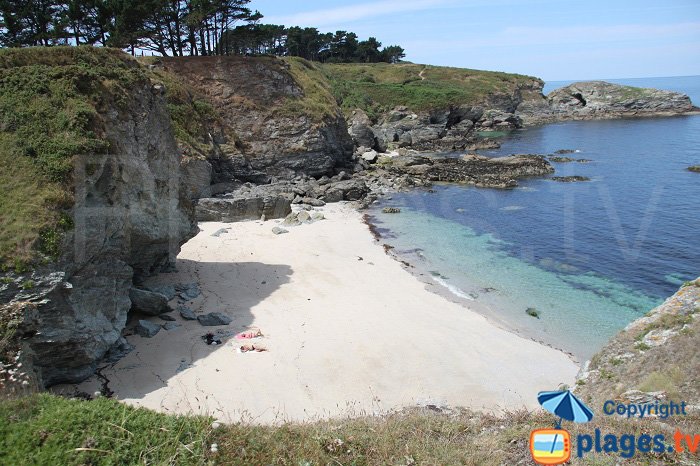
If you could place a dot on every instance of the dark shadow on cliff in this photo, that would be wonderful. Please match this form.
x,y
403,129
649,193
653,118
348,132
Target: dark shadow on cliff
x,y
230,288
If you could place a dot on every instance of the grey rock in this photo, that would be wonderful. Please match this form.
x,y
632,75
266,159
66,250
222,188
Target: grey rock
x,y
316,216
360,129
353,189
147,329
170,326
279,231
167,317
303,216
118,350
245,206
214,319
188,291
370,156
166,290
220,231
187,313
313,202
291,220
196,178
148,302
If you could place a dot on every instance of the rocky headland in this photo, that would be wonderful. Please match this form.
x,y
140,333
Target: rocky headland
x,y
600,100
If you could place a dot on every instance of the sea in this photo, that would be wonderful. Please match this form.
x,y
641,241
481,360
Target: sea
x,y
568,264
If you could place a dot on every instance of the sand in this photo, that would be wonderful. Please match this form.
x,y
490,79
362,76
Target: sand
x,y
347,329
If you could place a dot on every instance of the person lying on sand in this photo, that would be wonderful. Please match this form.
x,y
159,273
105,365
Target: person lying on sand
x,y
252,348
249,334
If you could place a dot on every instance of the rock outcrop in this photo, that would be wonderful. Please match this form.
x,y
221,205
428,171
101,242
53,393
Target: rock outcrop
x,y
130,218
275,118
654,358
501,172
600,100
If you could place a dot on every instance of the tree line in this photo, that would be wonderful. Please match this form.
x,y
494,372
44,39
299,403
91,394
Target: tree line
x,y
177,28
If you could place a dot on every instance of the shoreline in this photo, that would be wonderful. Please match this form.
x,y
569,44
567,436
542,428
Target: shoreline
x,y
348,332
443,289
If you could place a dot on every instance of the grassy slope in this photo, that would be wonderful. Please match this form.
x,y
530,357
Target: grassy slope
x,y
44,429
379,87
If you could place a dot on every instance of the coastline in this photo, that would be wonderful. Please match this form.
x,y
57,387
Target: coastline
x,y
439,286
348,332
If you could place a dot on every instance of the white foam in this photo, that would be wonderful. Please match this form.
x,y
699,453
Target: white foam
x,y
453,289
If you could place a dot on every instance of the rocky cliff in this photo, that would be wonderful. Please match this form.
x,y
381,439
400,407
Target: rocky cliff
x,y
427,107
123,214
654,358
274,118
599,100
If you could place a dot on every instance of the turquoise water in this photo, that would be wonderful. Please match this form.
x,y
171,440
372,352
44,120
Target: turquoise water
x,y
589,257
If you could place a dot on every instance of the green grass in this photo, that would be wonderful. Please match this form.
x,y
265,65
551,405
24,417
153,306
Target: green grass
x,y
376,88
50,99
45,429
317,102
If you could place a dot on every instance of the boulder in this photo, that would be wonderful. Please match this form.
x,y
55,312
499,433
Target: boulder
x,y
147,329
166,290
360,129
370,156
279,231
313,202
170,326
187,313
353,190
242,208
188,291
214,319
148,302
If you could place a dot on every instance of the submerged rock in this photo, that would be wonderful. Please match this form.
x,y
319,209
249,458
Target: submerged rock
x,y
500,172
570,179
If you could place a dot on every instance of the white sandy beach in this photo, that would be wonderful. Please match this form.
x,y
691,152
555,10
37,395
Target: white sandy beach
x,y
348,332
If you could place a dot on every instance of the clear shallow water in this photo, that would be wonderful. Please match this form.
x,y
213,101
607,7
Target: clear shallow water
x,y
590,257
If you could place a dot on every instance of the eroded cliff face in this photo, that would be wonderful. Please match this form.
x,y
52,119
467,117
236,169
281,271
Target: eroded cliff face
x,y
275,118
130,217
453,128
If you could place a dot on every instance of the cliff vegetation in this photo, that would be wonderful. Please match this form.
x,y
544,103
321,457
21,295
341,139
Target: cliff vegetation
x,y
50,101
378,88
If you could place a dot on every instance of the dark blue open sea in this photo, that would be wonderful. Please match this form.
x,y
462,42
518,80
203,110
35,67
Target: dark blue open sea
x,y
589,257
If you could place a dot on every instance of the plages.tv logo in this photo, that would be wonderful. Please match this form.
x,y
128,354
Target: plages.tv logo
x,y
553,446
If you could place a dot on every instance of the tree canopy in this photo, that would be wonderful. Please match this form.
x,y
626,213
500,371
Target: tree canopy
x,y
178,28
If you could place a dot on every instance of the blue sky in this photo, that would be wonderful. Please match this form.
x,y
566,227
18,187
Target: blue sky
x,y
552,39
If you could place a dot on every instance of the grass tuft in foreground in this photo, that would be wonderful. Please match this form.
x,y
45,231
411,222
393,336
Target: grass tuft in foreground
x,y
45,429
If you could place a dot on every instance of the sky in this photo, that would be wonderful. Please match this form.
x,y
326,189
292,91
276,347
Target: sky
x,y
552,39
